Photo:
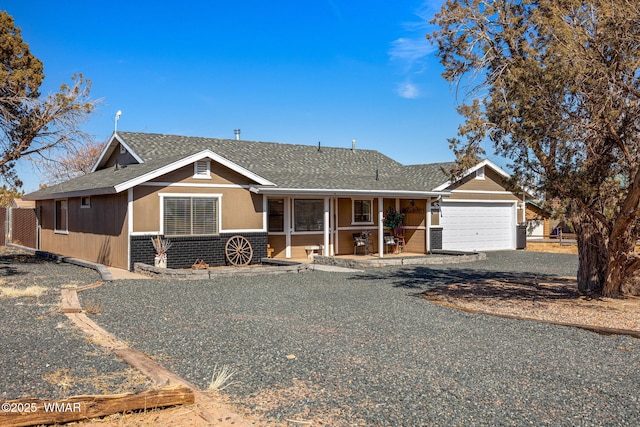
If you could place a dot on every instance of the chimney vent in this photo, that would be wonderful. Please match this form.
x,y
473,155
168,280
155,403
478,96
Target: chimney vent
x,y
353,145
237,132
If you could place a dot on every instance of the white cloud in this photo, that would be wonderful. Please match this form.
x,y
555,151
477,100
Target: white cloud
x,y
411,53
407,90
410,50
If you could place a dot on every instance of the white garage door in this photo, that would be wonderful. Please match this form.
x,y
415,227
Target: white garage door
x,y
477,226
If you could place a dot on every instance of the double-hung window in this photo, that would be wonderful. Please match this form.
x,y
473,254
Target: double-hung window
x,y
362,211
276,215
190,215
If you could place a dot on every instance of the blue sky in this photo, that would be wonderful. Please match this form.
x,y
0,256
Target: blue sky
x,y
282,71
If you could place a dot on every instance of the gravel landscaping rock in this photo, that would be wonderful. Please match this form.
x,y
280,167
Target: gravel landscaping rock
x,y
43,355
345,349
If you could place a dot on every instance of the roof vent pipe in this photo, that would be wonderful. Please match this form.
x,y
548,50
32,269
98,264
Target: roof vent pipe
x,y
237,132
353,145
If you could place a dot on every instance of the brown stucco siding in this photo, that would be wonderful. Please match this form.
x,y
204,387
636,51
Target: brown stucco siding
x,y
146,209
241,209
279,245
435,218
344,212
492,182
483,196
97,234
299,241
218,175
415,240
345,209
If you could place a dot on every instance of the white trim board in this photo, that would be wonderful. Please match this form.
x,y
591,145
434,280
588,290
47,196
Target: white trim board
x,y
185,161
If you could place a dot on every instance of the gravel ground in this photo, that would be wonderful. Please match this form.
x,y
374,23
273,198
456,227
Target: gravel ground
x,y
366,349
43,355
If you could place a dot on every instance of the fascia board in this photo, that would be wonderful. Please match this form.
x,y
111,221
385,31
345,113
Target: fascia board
x,y
348,192
471,170
80,193
108,149
186,161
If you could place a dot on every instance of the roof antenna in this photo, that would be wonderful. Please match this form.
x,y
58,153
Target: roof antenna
x,y
237,133
115,128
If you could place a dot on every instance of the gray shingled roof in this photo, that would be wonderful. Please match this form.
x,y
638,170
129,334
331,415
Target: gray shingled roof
x,y
431,175
286,165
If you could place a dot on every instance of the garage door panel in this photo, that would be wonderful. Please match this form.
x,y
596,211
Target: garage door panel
x,y
469,226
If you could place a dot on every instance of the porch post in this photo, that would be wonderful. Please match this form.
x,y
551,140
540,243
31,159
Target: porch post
x,y
287,227
428,222
380,227
332,226
129,225
325,250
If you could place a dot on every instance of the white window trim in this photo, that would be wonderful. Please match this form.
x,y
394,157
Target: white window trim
x,y
192,195
199,174
353,211
82,205
55,217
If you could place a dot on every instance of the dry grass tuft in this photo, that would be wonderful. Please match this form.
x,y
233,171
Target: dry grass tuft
x,y
92,307
62,378
29,291
118,382
221,379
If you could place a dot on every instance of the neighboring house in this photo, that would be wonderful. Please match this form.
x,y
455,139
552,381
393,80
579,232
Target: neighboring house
x,y
199,192
538,221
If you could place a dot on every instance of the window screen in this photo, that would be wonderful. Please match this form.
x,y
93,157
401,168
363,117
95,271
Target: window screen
x,y
190,215
309,214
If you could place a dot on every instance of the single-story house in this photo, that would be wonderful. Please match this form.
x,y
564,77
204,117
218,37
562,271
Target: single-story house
x,y
201,192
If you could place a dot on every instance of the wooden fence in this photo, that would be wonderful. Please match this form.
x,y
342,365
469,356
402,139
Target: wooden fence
x,y
19,226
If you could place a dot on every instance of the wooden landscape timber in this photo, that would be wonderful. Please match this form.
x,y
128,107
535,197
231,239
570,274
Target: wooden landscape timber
x,y
207,409
30,412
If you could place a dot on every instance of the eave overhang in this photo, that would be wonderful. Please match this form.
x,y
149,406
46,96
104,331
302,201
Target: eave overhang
x,y
272,191
68,194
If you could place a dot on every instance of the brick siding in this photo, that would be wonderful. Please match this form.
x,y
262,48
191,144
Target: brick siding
x,y
436,238
186,249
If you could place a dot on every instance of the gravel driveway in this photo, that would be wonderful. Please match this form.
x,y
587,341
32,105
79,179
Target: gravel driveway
x,y
42,354
366,349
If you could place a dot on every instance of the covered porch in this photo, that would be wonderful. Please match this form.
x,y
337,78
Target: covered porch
x,y
299,223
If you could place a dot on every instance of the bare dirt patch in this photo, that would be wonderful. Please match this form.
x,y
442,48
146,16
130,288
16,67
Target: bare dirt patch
x,y
554,301
555,247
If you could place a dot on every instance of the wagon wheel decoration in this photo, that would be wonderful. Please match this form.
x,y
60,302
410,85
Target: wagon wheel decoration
x,y
238,251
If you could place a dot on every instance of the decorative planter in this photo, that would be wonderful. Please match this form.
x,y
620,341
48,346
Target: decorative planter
x,y
160,262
